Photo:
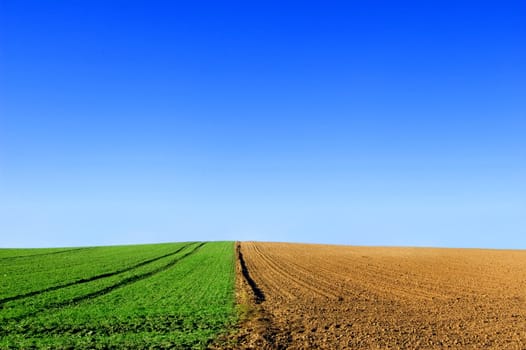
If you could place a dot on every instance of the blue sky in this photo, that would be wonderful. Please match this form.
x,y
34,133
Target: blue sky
x,y
360,122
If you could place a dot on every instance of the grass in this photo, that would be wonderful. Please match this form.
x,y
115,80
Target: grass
x,y
163,296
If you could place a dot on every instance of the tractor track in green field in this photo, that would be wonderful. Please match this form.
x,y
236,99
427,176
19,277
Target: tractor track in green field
x,y
125,282
43,254
90,279
179,296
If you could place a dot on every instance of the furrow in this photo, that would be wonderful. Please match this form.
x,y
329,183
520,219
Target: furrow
x,y
259,296
293,276
270,274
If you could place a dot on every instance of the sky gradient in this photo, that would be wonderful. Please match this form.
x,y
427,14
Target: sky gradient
x,y
365,123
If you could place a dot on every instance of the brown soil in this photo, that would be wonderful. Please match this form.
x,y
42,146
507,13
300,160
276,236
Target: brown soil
x,y
301,296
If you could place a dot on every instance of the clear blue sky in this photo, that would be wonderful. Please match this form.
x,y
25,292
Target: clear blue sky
x,y
368,123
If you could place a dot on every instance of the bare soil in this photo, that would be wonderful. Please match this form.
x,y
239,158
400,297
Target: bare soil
x,y
299,296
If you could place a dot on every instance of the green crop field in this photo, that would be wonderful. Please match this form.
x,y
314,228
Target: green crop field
x,y
174,295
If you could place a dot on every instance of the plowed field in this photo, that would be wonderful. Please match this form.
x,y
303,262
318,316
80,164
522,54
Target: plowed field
x,y
321,296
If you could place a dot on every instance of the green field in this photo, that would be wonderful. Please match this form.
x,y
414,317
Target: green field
x,y
174,295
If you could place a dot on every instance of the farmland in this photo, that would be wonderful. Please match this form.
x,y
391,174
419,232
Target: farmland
x,y
296,296
321,296
163,295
